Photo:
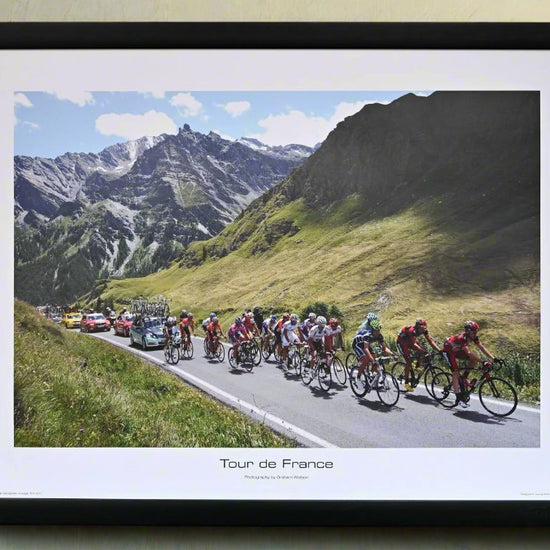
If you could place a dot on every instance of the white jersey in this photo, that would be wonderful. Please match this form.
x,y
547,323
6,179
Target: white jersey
x,y
317,334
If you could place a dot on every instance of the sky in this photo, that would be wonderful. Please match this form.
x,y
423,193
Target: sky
x,y
49,124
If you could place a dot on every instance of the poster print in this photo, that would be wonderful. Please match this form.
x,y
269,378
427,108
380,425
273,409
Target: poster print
x,y
398,210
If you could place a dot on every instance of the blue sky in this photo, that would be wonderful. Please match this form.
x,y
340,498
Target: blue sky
x,y
49,124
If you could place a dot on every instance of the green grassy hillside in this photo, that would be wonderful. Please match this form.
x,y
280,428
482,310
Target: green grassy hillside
x,y
401,266
116,400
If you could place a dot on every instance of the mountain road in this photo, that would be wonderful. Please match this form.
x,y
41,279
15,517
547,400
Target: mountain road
x,y
338,418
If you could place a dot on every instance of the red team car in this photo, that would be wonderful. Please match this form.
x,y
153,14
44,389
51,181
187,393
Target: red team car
x,y
123,324
94,322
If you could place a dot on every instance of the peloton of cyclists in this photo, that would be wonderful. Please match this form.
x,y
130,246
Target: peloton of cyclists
x,y
407,341
457,347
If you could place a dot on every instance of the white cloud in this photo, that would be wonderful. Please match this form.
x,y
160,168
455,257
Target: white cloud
x,y
129,126
188,104
157,94
298,127
31,125
80,98
236,108
22,99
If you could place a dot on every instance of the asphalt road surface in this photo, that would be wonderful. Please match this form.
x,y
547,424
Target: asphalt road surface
x,y
338,418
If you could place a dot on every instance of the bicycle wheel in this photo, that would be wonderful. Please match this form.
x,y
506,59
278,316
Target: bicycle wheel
x,y
498,396
231,358
188,350
267,350
168,353
398,370
220,352
248,362
358,382
205,347
429,376
387,388
256,354
324,377
442,389
339,370
306,373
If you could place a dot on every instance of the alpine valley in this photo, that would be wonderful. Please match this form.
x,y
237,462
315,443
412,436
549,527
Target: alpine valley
x,y
133,208
427,206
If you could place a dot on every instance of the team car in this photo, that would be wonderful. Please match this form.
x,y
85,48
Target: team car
x,y
94,322
122,325
147,332
71,320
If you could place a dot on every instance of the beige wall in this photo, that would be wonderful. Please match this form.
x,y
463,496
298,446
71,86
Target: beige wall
x,y
275,10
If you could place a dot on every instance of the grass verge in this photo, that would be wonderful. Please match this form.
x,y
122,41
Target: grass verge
x,y
115,400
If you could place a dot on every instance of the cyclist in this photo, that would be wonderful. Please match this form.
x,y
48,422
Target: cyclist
x,y
334,329
237,334
207,321
278,330
250,325
362,348
307,325
456,347
258,316
407,341
317,339
288,334
169,329
369,317
187,327
268,328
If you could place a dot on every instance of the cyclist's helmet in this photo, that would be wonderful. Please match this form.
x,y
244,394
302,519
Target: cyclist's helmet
x,y
286,316
273,317
421,323
321,321
375,325
183,314
171,321
250,315
214,319
312,316
212,315
294,318
238,321
370,317
471,326
190,315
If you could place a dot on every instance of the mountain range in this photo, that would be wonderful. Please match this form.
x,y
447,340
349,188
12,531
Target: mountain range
x,y
132,208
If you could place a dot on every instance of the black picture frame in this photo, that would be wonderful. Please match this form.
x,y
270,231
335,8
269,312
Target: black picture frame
x,y
396,36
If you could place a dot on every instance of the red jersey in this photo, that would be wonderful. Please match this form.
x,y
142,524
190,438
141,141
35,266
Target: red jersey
x,y
409,335
213,328
458,342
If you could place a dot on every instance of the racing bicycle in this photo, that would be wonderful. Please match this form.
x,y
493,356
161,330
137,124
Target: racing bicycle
x,y
382,381
496,395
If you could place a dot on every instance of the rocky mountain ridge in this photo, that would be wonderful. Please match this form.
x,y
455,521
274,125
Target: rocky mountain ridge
x,y
132,208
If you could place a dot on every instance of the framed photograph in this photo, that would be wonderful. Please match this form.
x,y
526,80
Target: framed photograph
x,y
276,274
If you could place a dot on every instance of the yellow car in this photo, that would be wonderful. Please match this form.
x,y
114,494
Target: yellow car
x,y
71,320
